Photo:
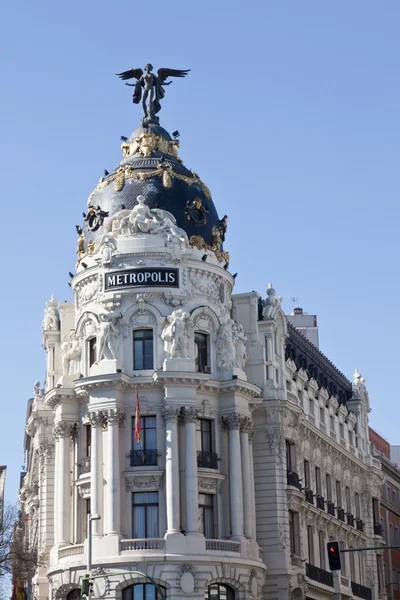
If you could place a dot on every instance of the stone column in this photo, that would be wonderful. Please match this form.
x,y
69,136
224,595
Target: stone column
x,y
253,489
113,489
170,414
62,432
246,473
192,490
97,420
234,422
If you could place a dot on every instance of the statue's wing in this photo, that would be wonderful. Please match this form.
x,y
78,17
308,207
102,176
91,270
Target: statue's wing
x,y
165,73
131,74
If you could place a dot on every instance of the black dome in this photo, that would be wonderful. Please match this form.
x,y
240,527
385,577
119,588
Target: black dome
x,y
152,169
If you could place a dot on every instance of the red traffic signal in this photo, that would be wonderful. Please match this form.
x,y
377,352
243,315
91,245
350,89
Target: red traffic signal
x,y
335,563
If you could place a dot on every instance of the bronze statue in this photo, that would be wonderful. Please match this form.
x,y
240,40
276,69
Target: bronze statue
x,y
153,86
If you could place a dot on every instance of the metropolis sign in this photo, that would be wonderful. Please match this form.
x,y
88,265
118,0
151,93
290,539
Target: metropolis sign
x,y
157,277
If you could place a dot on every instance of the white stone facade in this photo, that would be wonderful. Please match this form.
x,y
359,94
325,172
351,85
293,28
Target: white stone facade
x,y
232,438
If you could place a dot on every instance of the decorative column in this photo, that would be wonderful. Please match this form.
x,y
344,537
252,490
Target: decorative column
x,y
192,491
253,489
170,415
112,519
234,422
97,421
62,432
246,473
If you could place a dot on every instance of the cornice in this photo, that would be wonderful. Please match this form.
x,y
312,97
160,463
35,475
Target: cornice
x,y
56,395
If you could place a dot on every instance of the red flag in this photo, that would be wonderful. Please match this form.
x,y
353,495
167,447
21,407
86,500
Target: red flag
x,y
138,428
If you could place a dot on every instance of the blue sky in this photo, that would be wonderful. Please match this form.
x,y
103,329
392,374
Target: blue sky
x,y
290,115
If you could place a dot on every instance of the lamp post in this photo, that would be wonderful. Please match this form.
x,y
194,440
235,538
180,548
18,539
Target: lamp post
x,y
90,518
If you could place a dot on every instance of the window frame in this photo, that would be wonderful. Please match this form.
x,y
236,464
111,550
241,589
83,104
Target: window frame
x,y
229,593
307,474
92,350
205,368
310,543
290,456
145,367
205,509
128,593
146,505
294,533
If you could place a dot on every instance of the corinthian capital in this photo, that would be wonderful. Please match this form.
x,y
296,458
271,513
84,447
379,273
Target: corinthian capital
x,y
114,416
190,414
63,429
233,420
97,418
170,413
247,425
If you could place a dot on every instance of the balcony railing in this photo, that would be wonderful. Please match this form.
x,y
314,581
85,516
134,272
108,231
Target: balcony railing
x,y
330,508
84,465
293,479
340,514
350,519
222,546
361,591
320,502
142,544
207,460
309,496
319,575
144,458
75,550
378,529
359,525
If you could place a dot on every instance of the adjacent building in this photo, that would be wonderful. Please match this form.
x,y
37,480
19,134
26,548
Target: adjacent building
x,y
252,449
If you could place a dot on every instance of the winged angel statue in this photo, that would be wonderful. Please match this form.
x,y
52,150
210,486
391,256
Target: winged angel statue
x,y
149,88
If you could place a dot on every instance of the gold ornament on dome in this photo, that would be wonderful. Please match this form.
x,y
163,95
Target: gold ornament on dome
x,y
147,143
199,242
164,170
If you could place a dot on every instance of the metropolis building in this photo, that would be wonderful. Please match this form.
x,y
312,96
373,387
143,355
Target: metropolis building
x,y
254,447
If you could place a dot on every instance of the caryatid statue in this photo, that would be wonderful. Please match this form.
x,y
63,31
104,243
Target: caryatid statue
x,y
149,88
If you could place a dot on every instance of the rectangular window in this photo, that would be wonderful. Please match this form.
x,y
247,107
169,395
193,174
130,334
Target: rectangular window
x,y
321,541
396,534
352,566
290,456
394,496
294,533
332,422
88,440
310,540
375,510
351,438
206,516
311,406
204,435
321,415
348,501
318,487
361,568
328,487
357,505
142,349
201,352
144,453
301,398
145,515
341,429
391,535
338,494
307,478
379,563
343,559
92,351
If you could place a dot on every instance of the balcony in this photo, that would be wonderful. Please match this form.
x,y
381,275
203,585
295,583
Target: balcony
x,y
319,575
361,591
222,546
350,519
330,506
293,479
340,514
76,550
309,496
84,465
207,460
359,525
144,458
378,529
142,544
320,502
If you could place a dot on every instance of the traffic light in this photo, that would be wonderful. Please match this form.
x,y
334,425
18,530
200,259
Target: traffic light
x,y
335,563
87,586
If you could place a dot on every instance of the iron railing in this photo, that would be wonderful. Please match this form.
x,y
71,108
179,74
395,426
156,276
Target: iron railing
x,y
330,506
340,514
319,575
293,479
144,458
359,525
309,494
378,529
320,502
361,591
350,519
207,460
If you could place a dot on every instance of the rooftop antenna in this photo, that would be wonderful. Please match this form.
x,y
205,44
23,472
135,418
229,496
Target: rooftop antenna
x,y
295,301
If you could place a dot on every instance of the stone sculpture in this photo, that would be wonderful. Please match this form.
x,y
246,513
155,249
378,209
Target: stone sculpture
x,y
240,340
51,320
271,304
106,336
226,353
175,335
358,384
71,355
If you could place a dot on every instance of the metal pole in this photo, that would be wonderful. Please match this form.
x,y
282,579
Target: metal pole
x,y
89,543
369,548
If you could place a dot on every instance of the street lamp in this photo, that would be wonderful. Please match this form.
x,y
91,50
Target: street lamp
x,y
90,518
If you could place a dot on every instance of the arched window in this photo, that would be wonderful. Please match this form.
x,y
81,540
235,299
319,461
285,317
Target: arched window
x,y
219,591
142,591
74,594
